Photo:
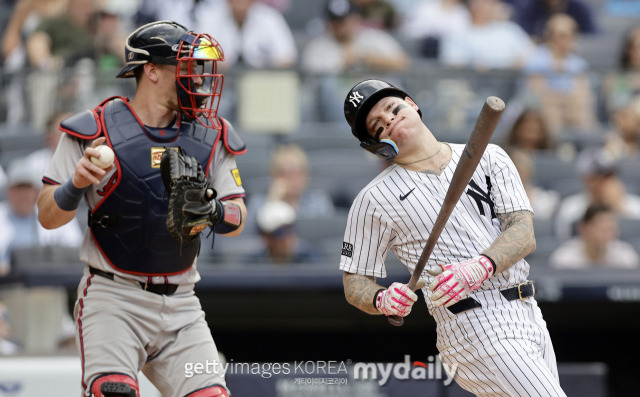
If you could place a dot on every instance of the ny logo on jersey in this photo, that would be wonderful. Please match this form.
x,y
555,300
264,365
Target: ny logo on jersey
x,y
480,196
355,98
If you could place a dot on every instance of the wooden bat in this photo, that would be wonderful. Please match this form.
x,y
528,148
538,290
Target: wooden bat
x,y
477,143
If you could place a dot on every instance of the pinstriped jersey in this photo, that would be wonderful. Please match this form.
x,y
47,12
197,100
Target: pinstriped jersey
x,y
397,210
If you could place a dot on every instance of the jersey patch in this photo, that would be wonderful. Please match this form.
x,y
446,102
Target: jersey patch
x,y
236,176
156,155
347,249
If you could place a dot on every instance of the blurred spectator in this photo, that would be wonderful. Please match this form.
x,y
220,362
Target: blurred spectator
x,y
110,35
64,39
430,20
19,219
602,185
280,5
529,133
623,139
289,183
181,11
533,16
544,202
619,87
250,33
25,18
7,347
347,45
282,245
630,54
596,245
558,79
40,159
490,42
377,14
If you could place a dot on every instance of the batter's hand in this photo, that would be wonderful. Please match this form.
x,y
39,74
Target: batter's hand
x,y
456,280
397,300
88,173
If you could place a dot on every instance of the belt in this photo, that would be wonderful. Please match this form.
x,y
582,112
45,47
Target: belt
x,y
160,289
521,291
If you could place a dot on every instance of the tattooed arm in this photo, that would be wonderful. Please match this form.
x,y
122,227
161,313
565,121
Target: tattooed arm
x,y
515,242
359,291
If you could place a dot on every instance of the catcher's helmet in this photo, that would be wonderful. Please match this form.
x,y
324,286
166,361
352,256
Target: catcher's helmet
x,y
195,57
156,42
359,101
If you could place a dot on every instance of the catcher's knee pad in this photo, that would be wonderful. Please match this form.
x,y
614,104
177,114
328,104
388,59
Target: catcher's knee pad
x,y
115,385
210,391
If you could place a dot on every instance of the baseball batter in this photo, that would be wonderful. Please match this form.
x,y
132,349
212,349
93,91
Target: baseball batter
x,y
489,326
136,309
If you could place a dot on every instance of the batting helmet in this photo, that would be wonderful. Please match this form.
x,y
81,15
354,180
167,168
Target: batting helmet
x,y
194,55
359,101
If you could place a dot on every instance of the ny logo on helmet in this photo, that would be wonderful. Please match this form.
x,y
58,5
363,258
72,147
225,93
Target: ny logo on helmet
x,y
355,98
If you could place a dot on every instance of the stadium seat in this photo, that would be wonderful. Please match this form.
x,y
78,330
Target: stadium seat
x,y
550,167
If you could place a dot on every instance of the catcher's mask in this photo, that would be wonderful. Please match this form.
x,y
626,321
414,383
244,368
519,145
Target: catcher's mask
x,y
357,105
195,56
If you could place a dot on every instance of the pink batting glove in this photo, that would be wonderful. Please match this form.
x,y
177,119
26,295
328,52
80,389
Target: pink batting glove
x,y
396,300
457,280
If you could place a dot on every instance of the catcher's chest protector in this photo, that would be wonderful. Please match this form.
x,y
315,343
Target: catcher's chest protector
x,y
136,239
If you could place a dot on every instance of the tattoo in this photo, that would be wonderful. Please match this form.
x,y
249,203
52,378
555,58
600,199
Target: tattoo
x,y
359,291
439,171
443,166
516,241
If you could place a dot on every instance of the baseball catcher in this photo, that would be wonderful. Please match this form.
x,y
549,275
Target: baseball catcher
x,y
173,174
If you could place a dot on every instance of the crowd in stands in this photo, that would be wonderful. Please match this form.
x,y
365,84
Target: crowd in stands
x,y
570,103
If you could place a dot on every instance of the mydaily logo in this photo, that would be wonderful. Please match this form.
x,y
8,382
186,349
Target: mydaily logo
x,y
433,369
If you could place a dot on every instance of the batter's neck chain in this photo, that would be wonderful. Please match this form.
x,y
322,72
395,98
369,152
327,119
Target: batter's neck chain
x,y
424,159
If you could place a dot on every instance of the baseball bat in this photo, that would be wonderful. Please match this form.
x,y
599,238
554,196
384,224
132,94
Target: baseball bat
x,y
471,155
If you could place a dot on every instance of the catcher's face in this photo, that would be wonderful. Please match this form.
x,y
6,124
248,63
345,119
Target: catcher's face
x,y
198,83
392,118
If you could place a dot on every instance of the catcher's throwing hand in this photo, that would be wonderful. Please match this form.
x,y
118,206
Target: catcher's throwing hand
x,y
456,280
397,300
192,206
87,172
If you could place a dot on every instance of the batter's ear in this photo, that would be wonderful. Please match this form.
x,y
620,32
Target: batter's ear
x,y
412,103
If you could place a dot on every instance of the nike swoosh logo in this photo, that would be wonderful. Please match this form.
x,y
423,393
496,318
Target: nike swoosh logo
x,y
404,196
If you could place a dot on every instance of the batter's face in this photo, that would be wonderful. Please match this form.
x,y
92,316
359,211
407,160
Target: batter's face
x,y
392,118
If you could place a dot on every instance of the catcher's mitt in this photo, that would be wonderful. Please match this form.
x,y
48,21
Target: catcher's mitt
x,y
192,206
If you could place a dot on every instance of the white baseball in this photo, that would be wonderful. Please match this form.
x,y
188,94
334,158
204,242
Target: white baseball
x,y
106,157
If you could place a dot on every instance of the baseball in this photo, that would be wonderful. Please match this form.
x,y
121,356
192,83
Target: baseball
x,y
106,157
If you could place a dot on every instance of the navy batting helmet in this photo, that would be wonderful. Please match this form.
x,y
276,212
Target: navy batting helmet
x,y
359,101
